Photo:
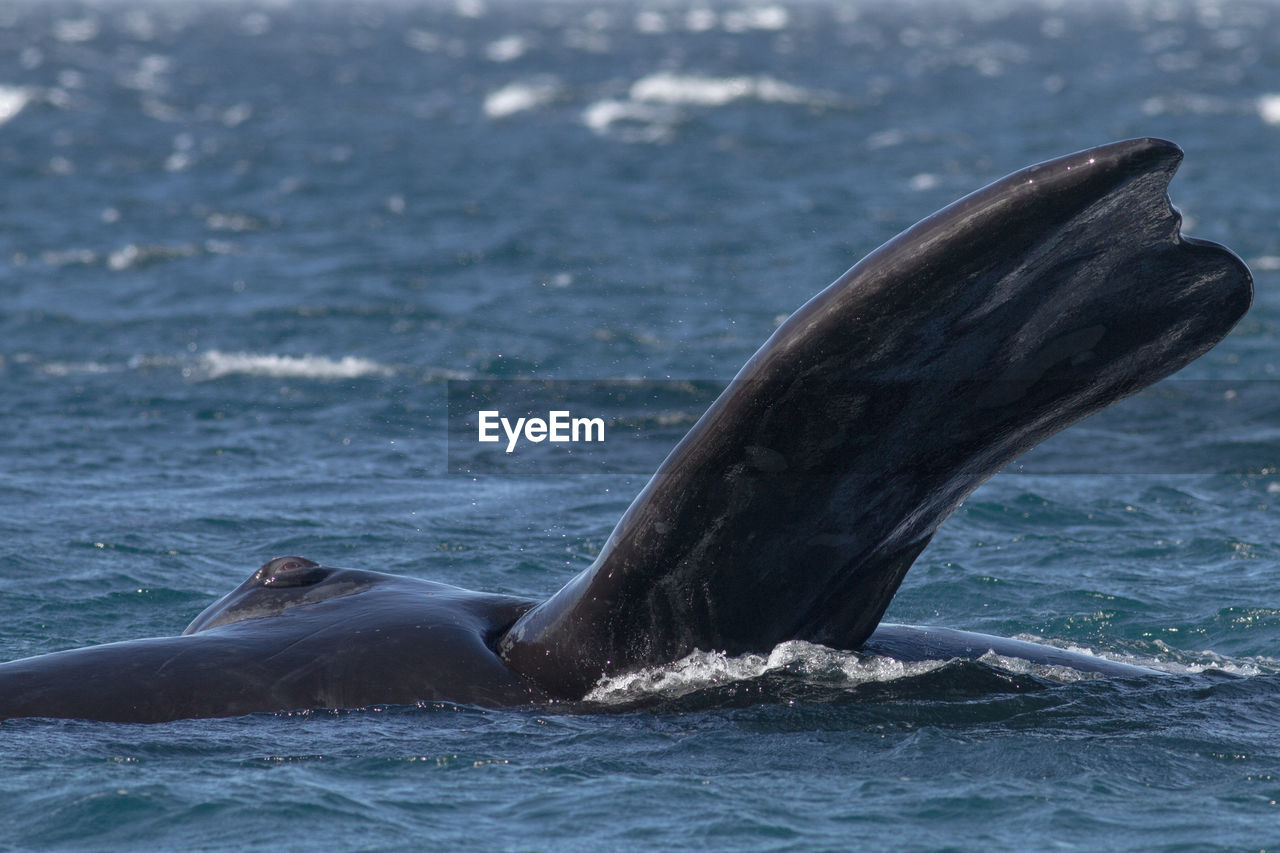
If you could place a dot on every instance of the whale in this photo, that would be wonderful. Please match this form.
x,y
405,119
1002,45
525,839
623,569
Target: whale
x,y
792,509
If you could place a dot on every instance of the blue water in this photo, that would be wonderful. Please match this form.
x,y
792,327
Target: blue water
x,y
245,246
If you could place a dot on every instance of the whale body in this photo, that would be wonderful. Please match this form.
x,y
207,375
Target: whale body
x,y
793,508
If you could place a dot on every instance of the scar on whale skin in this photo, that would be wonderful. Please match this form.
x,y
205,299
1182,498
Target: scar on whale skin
x,y
794,507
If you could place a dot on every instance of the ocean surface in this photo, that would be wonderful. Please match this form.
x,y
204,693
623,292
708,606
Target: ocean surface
x,y
246,246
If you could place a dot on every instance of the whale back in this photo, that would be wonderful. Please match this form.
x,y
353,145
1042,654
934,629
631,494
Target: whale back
x,y
795,506
295,635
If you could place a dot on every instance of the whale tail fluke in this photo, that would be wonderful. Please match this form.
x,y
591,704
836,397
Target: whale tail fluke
x,y
794,508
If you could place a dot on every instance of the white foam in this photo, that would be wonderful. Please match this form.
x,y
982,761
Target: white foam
x,y
518,97
12,100
1180,662
507,49
1269,108
632,121
69,257
76,368
1192,104
832,668
650,22
769,18
1022,666
700,19
651,110
215,364
1171,660
666,87
237,114
886,138
701,670
133,255
923,182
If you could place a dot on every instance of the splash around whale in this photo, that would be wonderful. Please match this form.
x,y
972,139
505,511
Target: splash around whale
x,y
793,508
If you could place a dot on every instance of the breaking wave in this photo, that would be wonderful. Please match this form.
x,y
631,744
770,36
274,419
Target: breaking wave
x,y
215,364
12,100
807,671
702,670
519,97
667,87
652,108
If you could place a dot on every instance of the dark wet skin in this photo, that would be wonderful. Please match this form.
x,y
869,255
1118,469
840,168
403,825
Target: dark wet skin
x,y
794,507
294,635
